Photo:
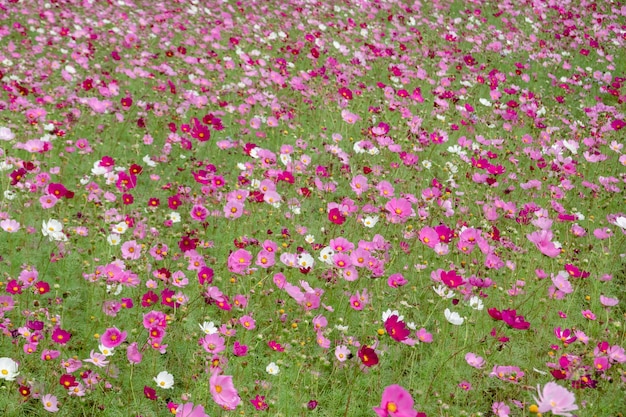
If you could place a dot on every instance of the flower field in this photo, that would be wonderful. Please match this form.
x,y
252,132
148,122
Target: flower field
x,y
289,208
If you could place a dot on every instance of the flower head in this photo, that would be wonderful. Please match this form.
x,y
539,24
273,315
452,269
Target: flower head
x,y
164,380
272,369
50,402
556,399
8,369
395,402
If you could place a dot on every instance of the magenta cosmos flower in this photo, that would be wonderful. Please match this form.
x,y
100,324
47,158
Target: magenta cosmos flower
x,y
396,402
556,399
112,337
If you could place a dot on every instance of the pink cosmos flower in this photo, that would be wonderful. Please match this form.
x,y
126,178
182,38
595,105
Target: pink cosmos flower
x,y
542,240
133,354
223,390
190,410
500,409
247,322
474,360
265,259
233,210
588,314
199,212
424,336
511,318
429,237
608,301
396,402
396,280
61,336
507,373
10,225
556,399
342,353
564,335
98,359
50,403
239,261
341,244
213,343
399,210
451,279
131,250
359,184
348,117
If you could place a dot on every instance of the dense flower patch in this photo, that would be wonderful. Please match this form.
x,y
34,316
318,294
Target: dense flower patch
x,y
264,207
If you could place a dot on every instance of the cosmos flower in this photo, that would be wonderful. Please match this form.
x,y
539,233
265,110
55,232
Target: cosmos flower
x,y
8,369
164,380
556,399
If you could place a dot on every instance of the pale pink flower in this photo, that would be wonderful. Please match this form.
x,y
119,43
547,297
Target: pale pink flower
x,y
556,399
10,225
131,250
608,301
474,360
50,403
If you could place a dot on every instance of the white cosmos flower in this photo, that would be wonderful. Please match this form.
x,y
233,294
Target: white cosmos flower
x,y
120,228
389,313
285,159
621,222
485,102
272,369
476,303
113,239
453,317
8,369
305,260
148,161
326,255
208,327
370,221
443,291
106,351
53,229
164,380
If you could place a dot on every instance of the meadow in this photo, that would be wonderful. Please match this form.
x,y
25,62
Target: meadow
x,y
383,208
